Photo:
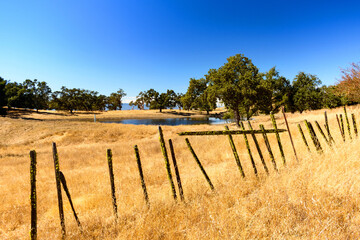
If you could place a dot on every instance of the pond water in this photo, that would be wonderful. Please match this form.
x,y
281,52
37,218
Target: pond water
x,y
171,121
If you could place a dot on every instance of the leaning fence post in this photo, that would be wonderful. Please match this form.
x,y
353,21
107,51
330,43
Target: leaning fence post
x,y
322,133
331,139
248,149
266,140
313,136
58,187
341,130
199,163
63,182
33,231
278,137
303,137
354,124
112,184
258,149
342,126
347,122
167,164
291,140
237,159
137,155
181,192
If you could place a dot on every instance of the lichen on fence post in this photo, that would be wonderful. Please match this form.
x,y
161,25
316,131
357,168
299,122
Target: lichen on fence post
x,y
199,163
331,139
278,137
112,184
341,130
167,164
313,136
58,187
248,149
33,230
63,182
178,179
288,128
322,133
236,156
137,155
342,126
347,123
303,137
354,124
266,140
232,132
258,149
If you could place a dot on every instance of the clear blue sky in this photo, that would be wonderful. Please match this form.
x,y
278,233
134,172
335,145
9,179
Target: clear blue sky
x,y
136,45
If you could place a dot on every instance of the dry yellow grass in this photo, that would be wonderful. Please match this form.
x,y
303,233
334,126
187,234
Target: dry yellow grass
x,y
317,198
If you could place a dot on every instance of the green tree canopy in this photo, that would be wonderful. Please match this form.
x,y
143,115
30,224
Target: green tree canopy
x,y
37,94
275,91
77,99
199,96
139,102
237,85
15,95
156,100
115,100
307,94
330,98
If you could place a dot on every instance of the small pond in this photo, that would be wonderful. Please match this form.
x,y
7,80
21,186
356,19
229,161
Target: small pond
x,y
171,121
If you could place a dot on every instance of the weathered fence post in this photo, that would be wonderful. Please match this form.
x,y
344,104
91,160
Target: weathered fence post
x,y
354,124
347,122
33,231
248,149
137,155
322,133
227,132
278,137
236,156
258,149
341,130
178,179
303,137
167,164
199,163
58,187
63,182
331,139
112,184
313,136
291,140
342,126
266,140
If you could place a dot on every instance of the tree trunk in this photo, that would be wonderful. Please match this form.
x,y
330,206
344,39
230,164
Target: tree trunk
x,y
160,109
207,112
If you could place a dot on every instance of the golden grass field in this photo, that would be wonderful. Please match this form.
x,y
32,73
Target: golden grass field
x,y
317,198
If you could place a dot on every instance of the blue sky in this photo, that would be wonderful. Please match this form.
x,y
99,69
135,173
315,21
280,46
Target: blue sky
x,y
137,45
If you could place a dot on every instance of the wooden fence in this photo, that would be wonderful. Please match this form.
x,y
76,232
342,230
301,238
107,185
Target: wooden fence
x,y
61,181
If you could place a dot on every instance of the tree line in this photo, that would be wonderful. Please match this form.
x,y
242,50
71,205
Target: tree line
x,y
246,91
238,84
34,94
